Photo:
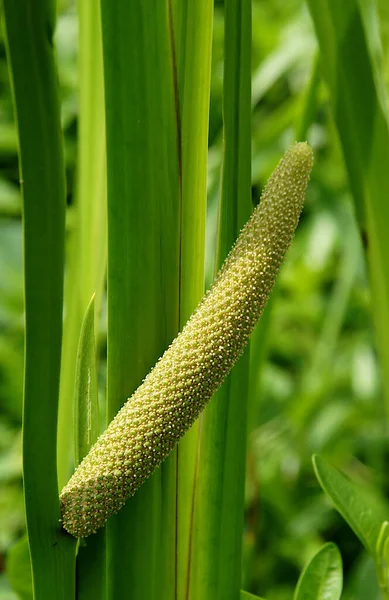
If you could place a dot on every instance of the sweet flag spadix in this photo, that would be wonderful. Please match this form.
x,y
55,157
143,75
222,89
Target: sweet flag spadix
x,y
173,394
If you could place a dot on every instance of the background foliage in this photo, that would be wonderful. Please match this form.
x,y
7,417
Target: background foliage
x,y
315,385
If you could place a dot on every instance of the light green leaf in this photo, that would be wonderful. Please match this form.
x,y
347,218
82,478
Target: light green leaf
x,y
85,393
219,499
144,260
91,557
382,557
322,578
363,513
192,32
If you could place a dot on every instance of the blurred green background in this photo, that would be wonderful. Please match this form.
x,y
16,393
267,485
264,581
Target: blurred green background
x,y
318,388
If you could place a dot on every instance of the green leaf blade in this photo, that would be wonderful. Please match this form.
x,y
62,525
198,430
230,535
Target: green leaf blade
x,y
29,33
322,578
86,396
87,247
219,500
91,557
192,33
143,264
363,515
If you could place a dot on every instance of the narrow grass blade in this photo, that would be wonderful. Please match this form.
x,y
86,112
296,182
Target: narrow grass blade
x,y
91,164
360,116
364,514
29,32
192,38
192,35
91,554
86,268
143,259
86,258
86,408
219,501
322,578
382,558
371,20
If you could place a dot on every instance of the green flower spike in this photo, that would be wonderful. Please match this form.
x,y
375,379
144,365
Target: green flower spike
x,y
170,399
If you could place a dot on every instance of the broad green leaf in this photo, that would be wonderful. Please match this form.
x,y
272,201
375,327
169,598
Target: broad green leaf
x,y
364,514
85,393
322,578
19,569
144,259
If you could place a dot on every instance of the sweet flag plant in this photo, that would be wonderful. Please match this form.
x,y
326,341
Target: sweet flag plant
x,y
182,382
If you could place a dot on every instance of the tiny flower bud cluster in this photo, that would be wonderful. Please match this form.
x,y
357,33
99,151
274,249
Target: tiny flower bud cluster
x,y
171,397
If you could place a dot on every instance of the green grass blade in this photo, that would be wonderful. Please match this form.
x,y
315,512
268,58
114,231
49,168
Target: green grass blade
x,y
86,262
86,406
382,556
219,503
91,554
322,578
371,23
86,265
91,164
193,58
192,33
143,260
360,116
29,34
365,514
